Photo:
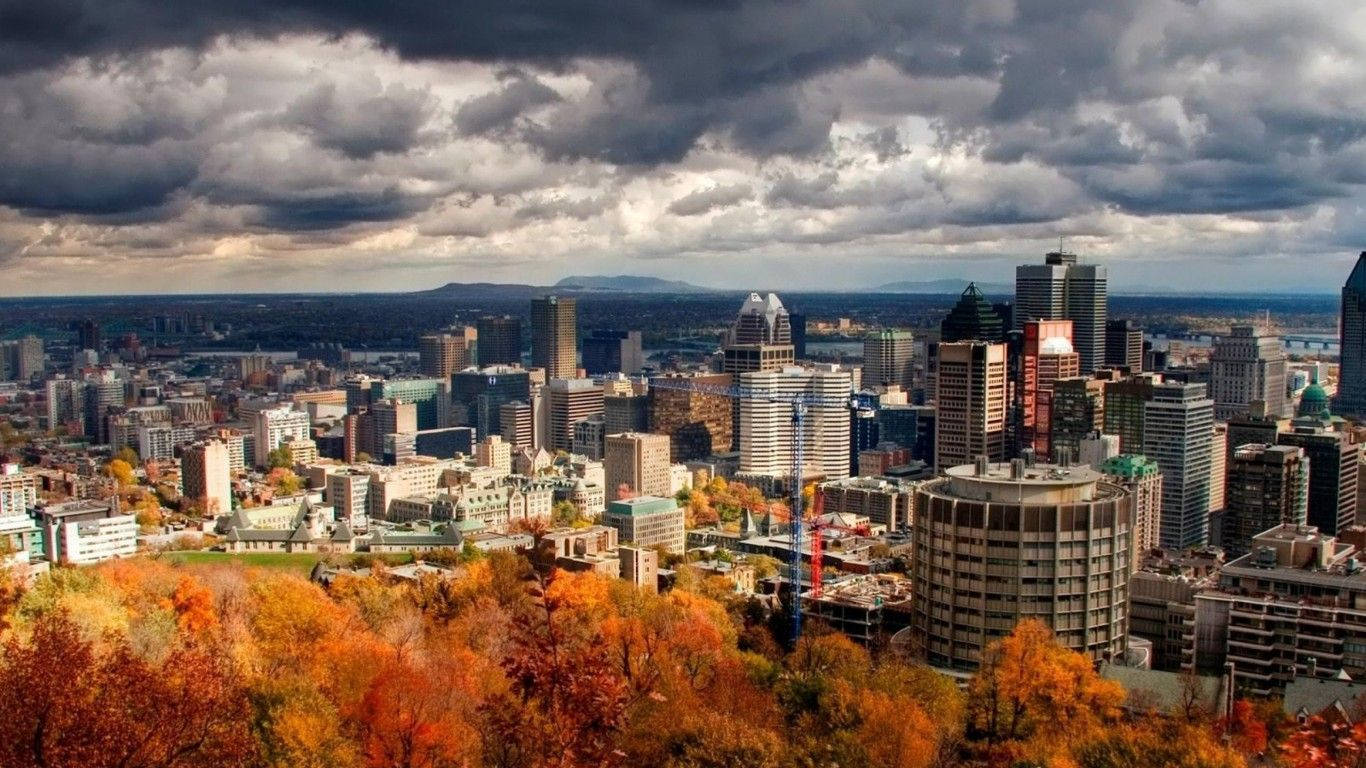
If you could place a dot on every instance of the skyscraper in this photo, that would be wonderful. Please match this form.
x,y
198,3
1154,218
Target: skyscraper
x,y
1038,523
1062,289
1351,399
1178,423
698,424
972,319
636,463
1124,345
888,359
477,395
442,354
555,336
206,477
1268,485
1047,355
567,402
499,341
1334,474
766,428
1078,410
971,403
1142,478
612,352
1248,365
761,337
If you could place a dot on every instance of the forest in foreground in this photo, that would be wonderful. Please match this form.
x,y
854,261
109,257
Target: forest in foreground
x,y
143,662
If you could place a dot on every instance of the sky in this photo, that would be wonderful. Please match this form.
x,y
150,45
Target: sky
x,y
343,145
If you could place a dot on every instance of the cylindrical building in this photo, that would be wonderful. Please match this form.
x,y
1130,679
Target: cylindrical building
x,y
996,543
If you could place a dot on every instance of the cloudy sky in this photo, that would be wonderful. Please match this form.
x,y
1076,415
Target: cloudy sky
x,y
205,145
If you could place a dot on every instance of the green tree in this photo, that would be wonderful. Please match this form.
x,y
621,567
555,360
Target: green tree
x,y
127,455
280,458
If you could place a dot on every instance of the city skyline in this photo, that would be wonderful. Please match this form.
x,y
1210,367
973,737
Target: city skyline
x,y
168,150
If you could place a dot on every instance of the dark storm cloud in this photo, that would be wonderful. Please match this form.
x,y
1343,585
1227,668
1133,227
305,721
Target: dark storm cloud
x,y
385,122
498,109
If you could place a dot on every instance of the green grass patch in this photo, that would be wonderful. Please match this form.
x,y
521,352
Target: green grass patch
x,y
297,562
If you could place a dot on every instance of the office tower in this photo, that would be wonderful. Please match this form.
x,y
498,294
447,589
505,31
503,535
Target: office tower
x,y
909,426
89,335
972,319
21,359
87,531
588,438
442,354
1178,426
569,401
65,402
1125,401
612,352
493,452
1124,345
626,413
1334,476
1268,486
888,359
1248,365
478,395
761,337
1078,410
102,392
518,424
797,323
1351,398
970,417
1219,453
1039,523
1142,478
767,435
636,464
698,424
499,341
1062,289
432,398
390,417
273,425
1253,426
206,477
555,336
647,521
1046,356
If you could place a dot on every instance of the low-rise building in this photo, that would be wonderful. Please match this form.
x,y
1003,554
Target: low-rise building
x,y
648,521
88,531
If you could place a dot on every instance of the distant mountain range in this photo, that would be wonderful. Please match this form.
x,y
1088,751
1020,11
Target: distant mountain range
x,y
627,284
944,285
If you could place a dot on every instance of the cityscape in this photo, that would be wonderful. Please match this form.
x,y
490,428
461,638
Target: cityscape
x,y
685,385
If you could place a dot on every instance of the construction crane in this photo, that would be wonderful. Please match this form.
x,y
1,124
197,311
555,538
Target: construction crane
x,y
800,403
818,541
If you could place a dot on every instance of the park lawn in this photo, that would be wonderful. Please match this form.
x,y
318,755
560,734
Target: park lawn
x,y
301,562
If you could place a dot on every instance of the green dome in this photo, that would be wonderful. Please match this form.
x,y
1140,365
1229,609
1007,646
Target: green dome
x,y
1314,401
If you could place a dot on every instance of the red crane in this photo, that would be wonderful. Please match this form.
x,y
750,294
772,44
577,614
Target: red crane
x,y
818,526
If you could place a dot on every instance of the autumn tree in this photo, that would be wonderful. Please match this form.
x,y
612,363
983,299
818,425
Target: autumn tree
x,y
1326,742
284,481
121,471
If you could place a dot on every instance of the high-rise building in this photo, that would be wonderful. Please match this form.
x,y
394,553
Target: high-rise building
x,y
555,336
1178,429
1248,365
390,416
1125,402
1124,345
493,452
1078,410
636,464
612,352
1043,526
970,417
1351,397
431,398
21,359
89,335
478,395
569,401
972,319
1142,478
518,424
206,477
888,358
1253,426
1062,289
1268,486
767,437
273,425
1334,476
760,339
797,322
909,426
626,413
499,341
442,354
18,492
1219,454
698,424
1046,356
